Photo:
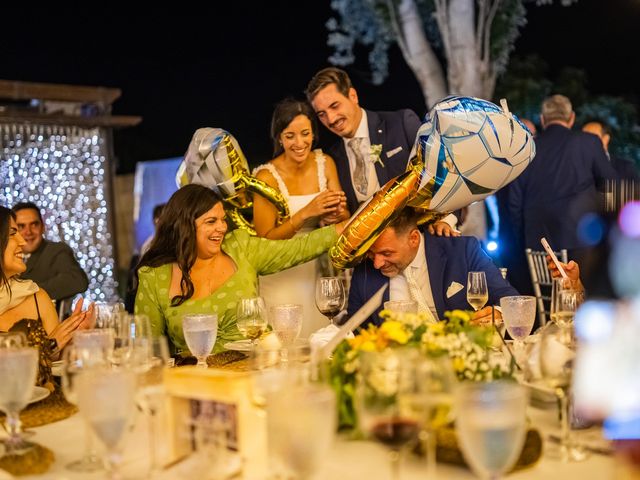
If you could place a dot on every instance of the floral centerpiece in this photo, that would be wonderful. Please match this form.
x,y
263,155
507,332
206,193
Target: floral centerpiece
x,y
467,345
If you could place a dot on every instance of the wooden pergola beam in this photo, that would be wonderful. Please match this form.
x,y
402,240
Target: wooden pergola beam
x,y
15,90
112,121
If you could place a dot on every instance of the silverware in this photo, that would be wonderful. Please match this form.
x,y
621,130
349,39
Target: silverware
x,y
589,448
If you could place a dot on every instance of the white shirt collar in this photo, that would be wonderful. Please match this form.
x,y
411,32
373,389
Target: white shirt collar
x,y
420,260
363,129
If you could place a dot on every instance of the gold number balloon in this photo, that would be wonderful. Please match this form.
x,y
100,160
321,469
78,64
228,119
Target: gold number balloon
x,y
214,159
466,149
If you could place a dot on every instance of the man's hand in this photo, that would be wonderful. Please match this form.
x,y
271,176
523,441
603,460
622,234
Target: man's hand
x,y
443,229
572,269
483,317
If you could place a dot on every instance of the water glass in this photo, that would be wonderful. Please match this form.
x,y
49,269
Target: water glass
x,y
401,306
106,314
477,292
200,333
12,340
301,426
519,315
18,371
286,322
491,425
251,318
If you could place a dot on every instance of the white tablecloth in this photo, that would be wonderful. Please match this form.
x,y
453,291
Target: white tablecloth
x,y
349,460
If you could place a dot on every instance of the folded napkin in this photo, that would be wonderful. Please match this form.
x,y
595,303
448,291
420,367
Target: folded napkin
x,y
320,338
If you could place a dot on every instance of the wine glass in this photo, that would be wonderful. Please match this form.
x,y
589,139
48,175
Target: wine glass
x,y
301,425
150,393
383,411
286,321
519,314
18,371
251,318
567,302
330,296
558,284
106,313
557,352
12,340
106,400
477,292
491,425
130,335
86,352
401,306
200,333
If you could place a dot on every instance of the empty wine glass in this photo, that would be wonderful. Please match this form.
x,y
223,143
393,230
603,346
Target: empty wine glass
x,y
491,425
401,306
330,296
286,322
557,352
106,313
200,333
18,370
477,293
301,425
106,400
519,314
130,334
251,318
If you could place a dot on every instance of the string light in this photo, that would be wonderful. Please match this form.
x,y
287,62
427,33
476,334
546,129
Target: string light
x,y
63,170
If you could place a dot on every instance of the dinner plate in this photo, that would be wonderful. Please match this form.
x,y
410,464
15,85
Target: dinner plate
x,y
39,393
239,345
56,368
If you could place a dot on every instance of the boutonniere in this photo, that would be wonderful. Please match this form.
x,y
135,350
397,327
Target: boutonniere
x,y
374,154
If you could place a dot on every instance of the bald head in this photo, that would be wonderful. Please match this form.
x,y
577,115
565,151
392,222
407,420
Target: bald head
x,y
600,130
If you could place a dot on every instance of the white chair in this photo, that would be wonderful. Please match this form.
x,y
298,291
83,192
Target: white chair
x,y
541,279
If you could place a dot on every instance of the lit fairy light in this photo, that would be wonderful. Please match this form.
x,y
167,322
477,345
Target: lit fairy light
x,y
63,170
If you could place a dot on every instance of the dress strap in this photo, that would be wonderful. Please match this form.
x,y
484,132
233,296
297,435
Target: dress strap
x,y
272,170
35,298
320,161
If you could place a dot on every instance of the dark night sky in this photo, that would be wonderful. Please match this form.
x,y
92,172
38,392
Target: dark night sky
x,y
187,67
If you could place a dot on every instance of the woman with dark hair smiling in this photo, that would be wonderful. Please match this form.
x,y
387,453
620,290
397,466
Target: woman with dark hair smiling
x,y
194,266
308,181
24,307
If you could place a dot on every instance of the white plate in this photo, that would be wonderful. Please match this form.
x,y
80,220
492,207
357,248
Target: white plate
x,y
239,345
56,368
39,393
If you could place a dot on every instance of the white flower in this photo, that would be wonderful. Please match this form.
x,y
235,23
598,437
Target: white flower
x,y
374,154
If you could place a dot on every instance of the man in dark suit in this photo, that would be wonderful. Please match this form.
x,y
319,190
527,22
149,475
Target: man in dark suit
x,y
51,265
373,147
559,189
427,269
626,169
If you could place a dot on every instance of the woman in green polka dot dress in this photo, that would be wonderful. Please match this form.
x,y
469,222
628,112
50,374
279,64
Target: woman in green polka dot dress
x,y
194,266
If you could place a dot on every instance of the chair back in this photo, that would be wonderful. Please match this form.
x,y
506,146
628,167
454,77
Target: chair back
x,y
542,280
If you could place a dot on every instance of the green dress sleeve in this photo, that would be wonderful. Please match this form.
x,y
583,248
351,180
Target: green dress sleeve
x,y
271,256
147,301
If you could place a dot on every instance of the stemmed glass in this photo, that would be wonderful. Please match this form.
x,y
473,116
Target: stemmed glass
x,y
330,296
12,340
18,371
477,292
383,409
106,400
567,302
86,352
557,352
106,313
519,314
558,284
491,425
131,333
301,425
150,393
200,333
251,318
286,321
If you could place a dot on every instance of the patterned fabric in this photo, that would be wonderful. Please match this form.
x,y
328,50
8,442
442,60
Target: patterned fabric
x,y
360,180
253,256
37,337
416,292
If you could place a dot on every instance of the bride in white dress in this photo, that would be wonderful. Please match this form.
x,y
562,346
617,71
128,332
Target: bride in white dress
x,y
308,181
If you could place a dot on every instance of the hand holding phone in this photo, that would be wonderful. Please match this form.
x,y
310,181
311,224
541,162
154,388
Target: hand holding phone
x,y
550,252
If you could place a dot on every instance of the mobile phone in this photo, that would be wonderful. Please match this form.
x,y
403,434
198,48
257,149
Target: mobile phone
x,y
550,252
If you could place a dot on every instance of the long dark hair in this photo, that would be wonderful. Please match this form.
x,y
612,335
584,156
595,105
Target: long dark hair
x,y
5,223
284,113
175,237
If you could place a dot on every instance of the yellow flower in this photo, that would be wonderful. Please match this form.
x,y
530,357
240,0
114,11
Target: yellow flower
x,y
458,364
395,331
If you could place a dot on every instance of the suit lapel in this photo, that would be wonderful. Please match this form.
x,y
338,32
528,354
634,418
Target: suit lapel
x,y
376,137
436,263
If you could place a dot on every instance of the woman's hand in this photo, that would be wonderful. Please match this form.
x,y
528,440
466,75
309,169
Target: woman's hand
x,y
325,203
78,320
339,215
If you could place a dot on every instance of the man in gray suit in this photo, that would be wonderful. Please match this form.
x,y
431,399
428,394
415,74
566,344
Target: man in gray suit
x,y
51,265
373,147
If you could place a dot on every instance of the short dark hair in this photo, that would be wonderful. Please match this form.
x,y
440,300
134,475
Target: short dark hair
x,y
604,126
27,206
326,77
406,220
5,224
283,115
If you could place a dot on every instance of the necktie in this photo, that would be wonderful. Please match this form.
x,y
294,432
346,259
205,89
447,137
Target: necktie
x,y
360,172
416,293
